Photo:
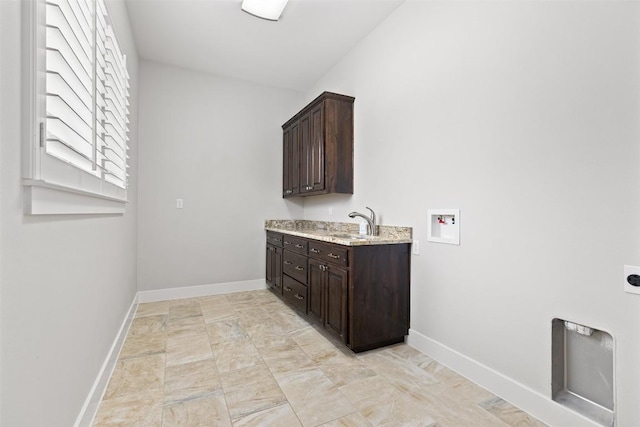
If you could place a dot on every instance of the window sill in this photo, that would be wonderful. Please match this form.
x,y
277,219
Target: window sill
x,y
47,198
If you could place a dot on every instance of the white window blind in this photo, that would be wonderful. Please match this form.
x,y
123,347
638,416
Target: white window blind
x,y
87,91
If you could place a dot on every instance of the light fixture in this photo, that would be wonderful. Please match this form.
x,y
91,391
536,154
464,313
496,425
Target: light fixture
x,y
265,9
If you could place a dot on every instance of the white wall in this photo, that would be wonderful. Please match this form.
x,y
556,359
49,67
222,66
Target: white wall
x,y
66,281
525,115
216,143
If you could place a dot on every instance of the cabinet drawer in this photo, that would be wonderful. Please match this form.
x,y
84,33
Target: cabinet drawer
x,y
331,253
274,238
296,266
295,244
296,293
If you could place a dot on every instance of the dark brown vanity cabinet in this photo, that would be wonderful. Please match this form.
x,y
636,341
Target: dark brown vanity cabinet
x,y
318,148
359,294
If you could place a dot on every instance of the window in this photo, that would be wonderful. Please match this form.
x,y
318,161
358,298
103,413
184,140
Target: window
x,y
76,161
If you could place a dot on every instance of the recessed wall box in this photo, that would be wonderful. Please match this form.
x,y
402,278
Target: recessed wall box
x,y
443,226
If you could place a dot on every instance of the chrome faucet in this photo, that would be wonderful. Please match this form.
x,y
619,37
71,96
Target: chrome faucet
x,y
372,230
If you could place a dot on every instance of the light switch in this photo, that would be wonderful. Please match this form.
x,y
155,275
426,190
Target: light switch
x,y
415,247
179,204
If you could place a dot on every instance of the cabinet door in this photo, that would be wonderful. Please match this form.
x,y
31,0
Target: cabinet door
x,y
337,280
274,268
316,290
291,160
316,149
312,149
277,269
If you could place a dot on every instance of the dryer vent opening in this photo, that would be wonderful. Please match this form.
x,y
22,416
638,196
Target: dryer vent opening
x,y
582,370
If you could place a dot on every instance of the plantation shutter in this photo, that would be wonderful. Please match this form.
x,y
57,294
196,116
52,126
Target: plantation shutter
x,y
87,90
69,82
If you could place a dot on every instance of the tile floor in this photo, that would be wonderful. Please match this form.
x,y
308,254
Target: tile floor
x,y
246,359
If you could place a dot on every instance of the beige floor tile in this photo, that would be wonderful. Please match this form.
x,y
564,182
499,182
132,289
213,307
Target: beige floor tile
x,y
310,340
184,361
240,296
345,374
137,375
286,358
187,309
314,398
232,355
153,308
144,345
352,420
209,411
190,380
271,336
213,301
148,325
214,313
185,348
407,353
186,325
242,300
382,404
397,370
250,390
225,330
140,410
289,320
334,356
510,414
281,415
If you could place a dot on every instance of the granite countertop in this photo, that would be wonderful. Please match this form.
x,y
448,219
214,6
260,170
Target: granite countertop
x,y
341,233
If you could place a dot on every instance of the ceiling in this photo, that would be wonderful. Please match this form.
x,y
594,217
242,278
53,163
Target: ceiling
x,y
216,36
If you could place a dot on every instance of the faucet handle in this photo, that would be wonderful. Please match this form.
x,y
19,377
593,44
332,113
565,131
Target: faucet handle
x,y
373,215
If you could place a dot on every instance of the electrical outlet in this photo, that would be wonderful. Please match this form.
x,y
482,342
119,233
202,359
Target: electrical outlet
x,y
630,270
415,247
179,203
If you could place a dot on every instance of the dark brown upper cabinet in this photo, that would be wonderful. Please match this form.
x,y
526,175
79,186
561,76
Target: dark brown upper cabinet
x,y
318,148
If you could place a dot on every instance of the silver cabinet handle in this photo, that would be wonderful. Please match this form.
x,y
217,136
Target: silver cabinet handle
x,y
300,246
334,256
299,268
288,263
287,243
300,297
288,289
315,251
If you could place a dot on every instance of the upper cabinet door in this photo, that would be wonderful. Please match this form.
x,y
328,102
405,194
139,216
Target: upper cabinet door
x,y
316,149
291,160
325,147
312,148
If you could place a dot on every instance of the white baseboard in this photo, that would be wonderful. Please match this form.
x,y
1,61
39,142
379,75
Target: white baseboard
x,y
200,290
90,407
530,401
